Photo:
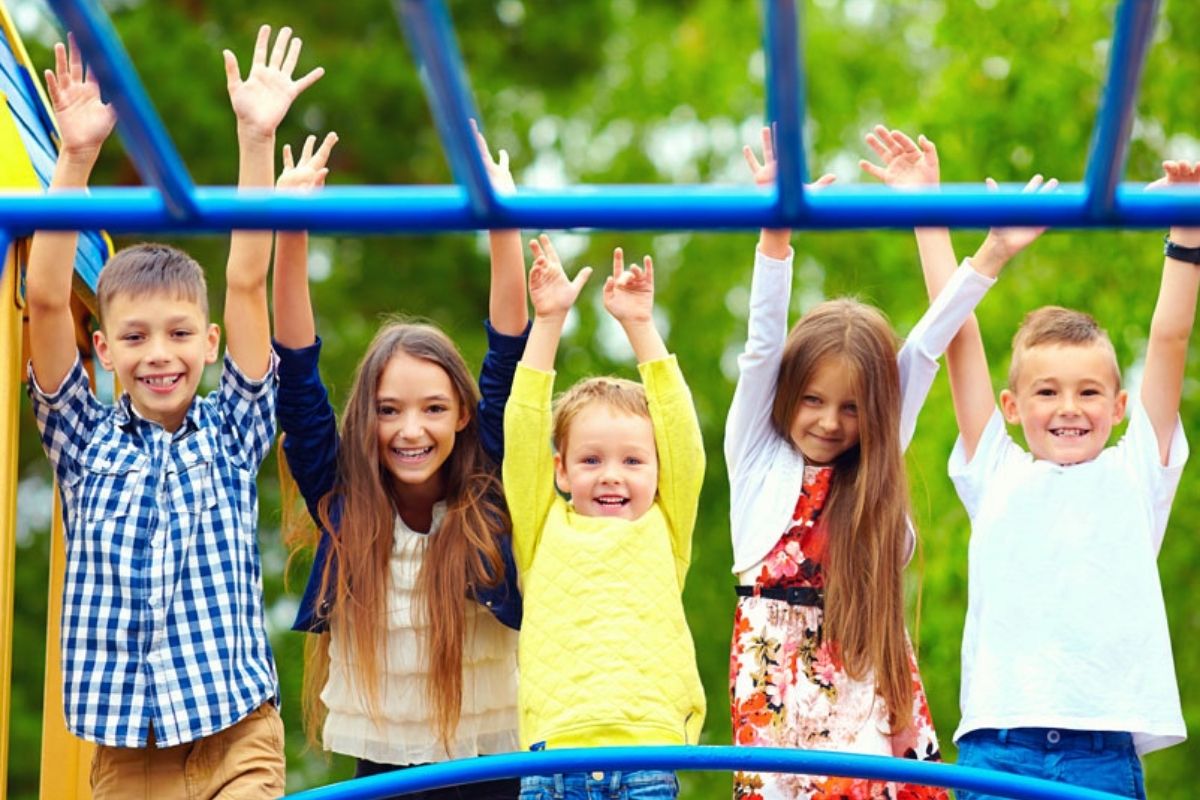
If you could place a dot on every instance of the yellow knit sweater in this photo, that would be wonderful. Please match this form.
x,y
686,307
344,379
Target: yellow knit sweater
x,y
605,654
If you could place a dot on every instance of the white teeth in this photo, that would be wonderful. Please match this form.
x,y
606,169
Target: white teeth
x,y
1071,433
160,380
413,453
611,501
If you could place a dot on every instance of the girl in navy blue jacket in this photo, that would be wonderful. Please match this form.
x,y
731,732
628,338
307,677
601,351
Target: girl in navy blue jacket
x,y
413,591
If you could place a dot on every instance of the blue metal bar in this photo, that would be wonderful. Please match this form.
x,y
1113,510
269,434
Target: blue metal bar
x,y
447,208
757,759
1132,31
146,140
430,33
785,100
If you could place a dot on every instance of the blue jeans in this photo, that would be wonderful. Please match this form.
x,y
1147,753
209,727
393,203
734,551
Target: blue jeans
x,y
1101,760
639,785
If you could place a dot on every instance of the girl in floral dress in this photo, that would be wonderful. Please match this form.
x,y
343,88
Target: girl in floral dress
x,y
819,506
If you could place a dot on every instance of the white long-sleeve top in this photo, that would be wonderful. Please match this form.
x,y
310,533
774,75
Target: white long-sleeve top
x,y
766,471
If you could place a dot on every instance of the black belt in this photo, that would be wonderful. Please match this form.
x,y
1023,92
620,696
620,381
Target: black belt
x,y
792,595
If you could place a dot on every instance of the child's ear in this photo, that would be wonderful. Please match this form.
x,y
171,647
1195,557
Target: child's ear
x,y
1119,406
1008,406
560,475
464,416
101,346
213,334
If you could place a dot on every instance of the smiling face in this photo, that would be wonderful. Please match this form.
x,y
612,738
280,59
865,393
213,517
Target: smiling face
x,y
1066,397
418,416
826,421
158,346
610,464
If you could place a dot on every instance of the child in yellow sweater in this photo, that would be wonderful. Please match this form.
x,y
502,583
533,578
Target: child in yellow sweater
x,y
605,654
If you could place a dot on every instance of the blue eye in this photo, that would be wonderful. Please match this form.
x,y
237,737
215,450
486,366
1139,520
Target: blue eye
x,y
632,461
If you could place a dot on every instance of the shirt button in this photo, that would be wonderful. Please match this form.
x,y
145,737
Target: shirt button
x,y
1053,737
597,776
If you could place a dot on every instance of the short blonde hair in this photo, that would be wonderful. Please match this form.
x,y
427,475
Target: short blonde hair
x,y
618,393
1055,325
149,268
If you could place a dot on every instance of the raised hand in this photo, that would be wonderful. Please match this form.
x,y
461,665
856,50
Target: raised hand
x,y
551,292
310,171
764,172
498,172
1180,173
84,120
629,293
1014,240
261,101
905,162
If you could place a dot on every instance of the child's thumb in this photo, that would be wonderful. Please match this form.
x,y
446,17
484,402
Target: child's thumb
x,y
582,277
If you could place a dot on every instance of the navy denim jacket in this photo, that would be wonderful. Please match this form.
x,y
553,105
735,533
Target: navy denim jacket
x,y
311,446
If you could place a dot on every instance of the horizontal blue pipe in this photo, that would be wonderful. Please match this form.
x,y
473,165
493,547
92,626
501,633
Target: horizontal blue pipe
x,y
146,140
383,209
756,759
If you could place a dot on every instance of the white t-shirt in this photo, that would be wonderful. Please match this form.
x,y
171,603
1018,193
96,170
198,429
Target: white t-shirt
x,y
1066,626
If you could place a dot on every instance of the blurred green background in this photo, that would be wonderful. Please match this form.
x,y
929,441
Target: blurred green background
x,y
667,91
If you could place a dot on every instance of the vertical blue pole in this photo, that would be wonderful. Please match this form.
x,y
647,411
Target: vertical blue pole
x,y
146,140
1132,31
785,101
430,33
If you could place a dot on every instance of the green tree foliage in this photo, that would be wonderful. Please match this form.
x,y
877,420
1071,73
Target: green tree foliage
x,y
667,91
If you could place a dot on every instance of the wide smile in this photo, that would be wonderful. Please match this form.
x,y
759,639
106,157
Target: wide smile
x,y
610,503
411,455
161,384
1069,433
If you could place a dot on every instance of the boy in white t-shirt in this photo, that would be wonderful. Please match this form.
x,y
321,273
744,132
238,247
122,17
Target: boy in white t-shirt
x,y
1067,671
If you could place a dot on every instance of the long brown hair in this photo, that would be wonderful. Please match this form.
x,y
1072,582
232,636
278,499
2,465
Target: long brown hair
x,y
464,553
867,511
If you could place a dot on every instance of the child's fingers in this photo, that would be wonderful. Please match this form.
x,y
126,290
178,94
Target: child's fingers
x,y
875,144
306,152
503,163
52,87
648,267
308,80
535,248
279,51
823,181
991,184
768,139
260,45
322,174
618,262
581,279
1051,185
292,57
1033,184
874,170
288,163
927,147
906,144
548,247
60,61
74,58
751,160
233,73
326,149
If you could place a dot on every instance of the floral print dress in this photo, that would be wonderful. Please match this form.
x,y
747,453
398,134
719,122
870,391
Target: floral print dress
x,y
788,689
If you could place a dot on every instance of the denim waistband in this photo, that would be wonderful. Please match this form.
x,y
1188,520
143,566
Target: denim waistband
x,y
1057,738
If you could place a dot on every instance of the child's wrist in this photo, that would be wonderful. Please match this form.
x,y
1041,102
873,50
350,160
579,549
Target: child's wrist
x,y
1185,237
253,135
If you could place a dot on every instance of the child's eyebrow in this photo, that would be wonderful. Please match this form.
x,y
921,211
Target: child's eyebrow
x,y
429,398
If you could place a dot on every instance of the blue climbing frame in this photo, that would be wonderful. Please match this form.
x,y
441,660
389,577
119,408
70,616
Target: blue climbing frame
x,y
171,202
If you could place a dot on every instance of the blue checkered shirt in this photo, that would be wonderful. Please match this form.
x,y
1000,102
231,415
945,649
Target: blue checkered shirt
x,y
162,616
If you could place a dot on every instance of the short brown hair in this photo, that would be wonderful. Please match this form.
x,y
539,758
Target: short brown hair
x,y
618,393
150,268
1055,325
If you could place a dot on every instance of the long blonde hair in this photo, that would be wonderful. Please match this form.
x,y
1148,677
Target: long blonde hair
x,y
464,553
867,510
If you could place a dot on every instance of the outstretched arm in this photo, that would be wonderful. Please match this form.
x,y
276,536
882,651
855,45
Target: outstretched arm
x,y
1174,316
552,294
84,122
773,242
260,103
294,326
970,380
507,308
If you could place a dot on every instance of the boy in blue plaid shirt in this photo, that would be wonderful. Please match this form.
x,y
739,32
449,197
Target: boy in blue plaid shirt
x,y
166,663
